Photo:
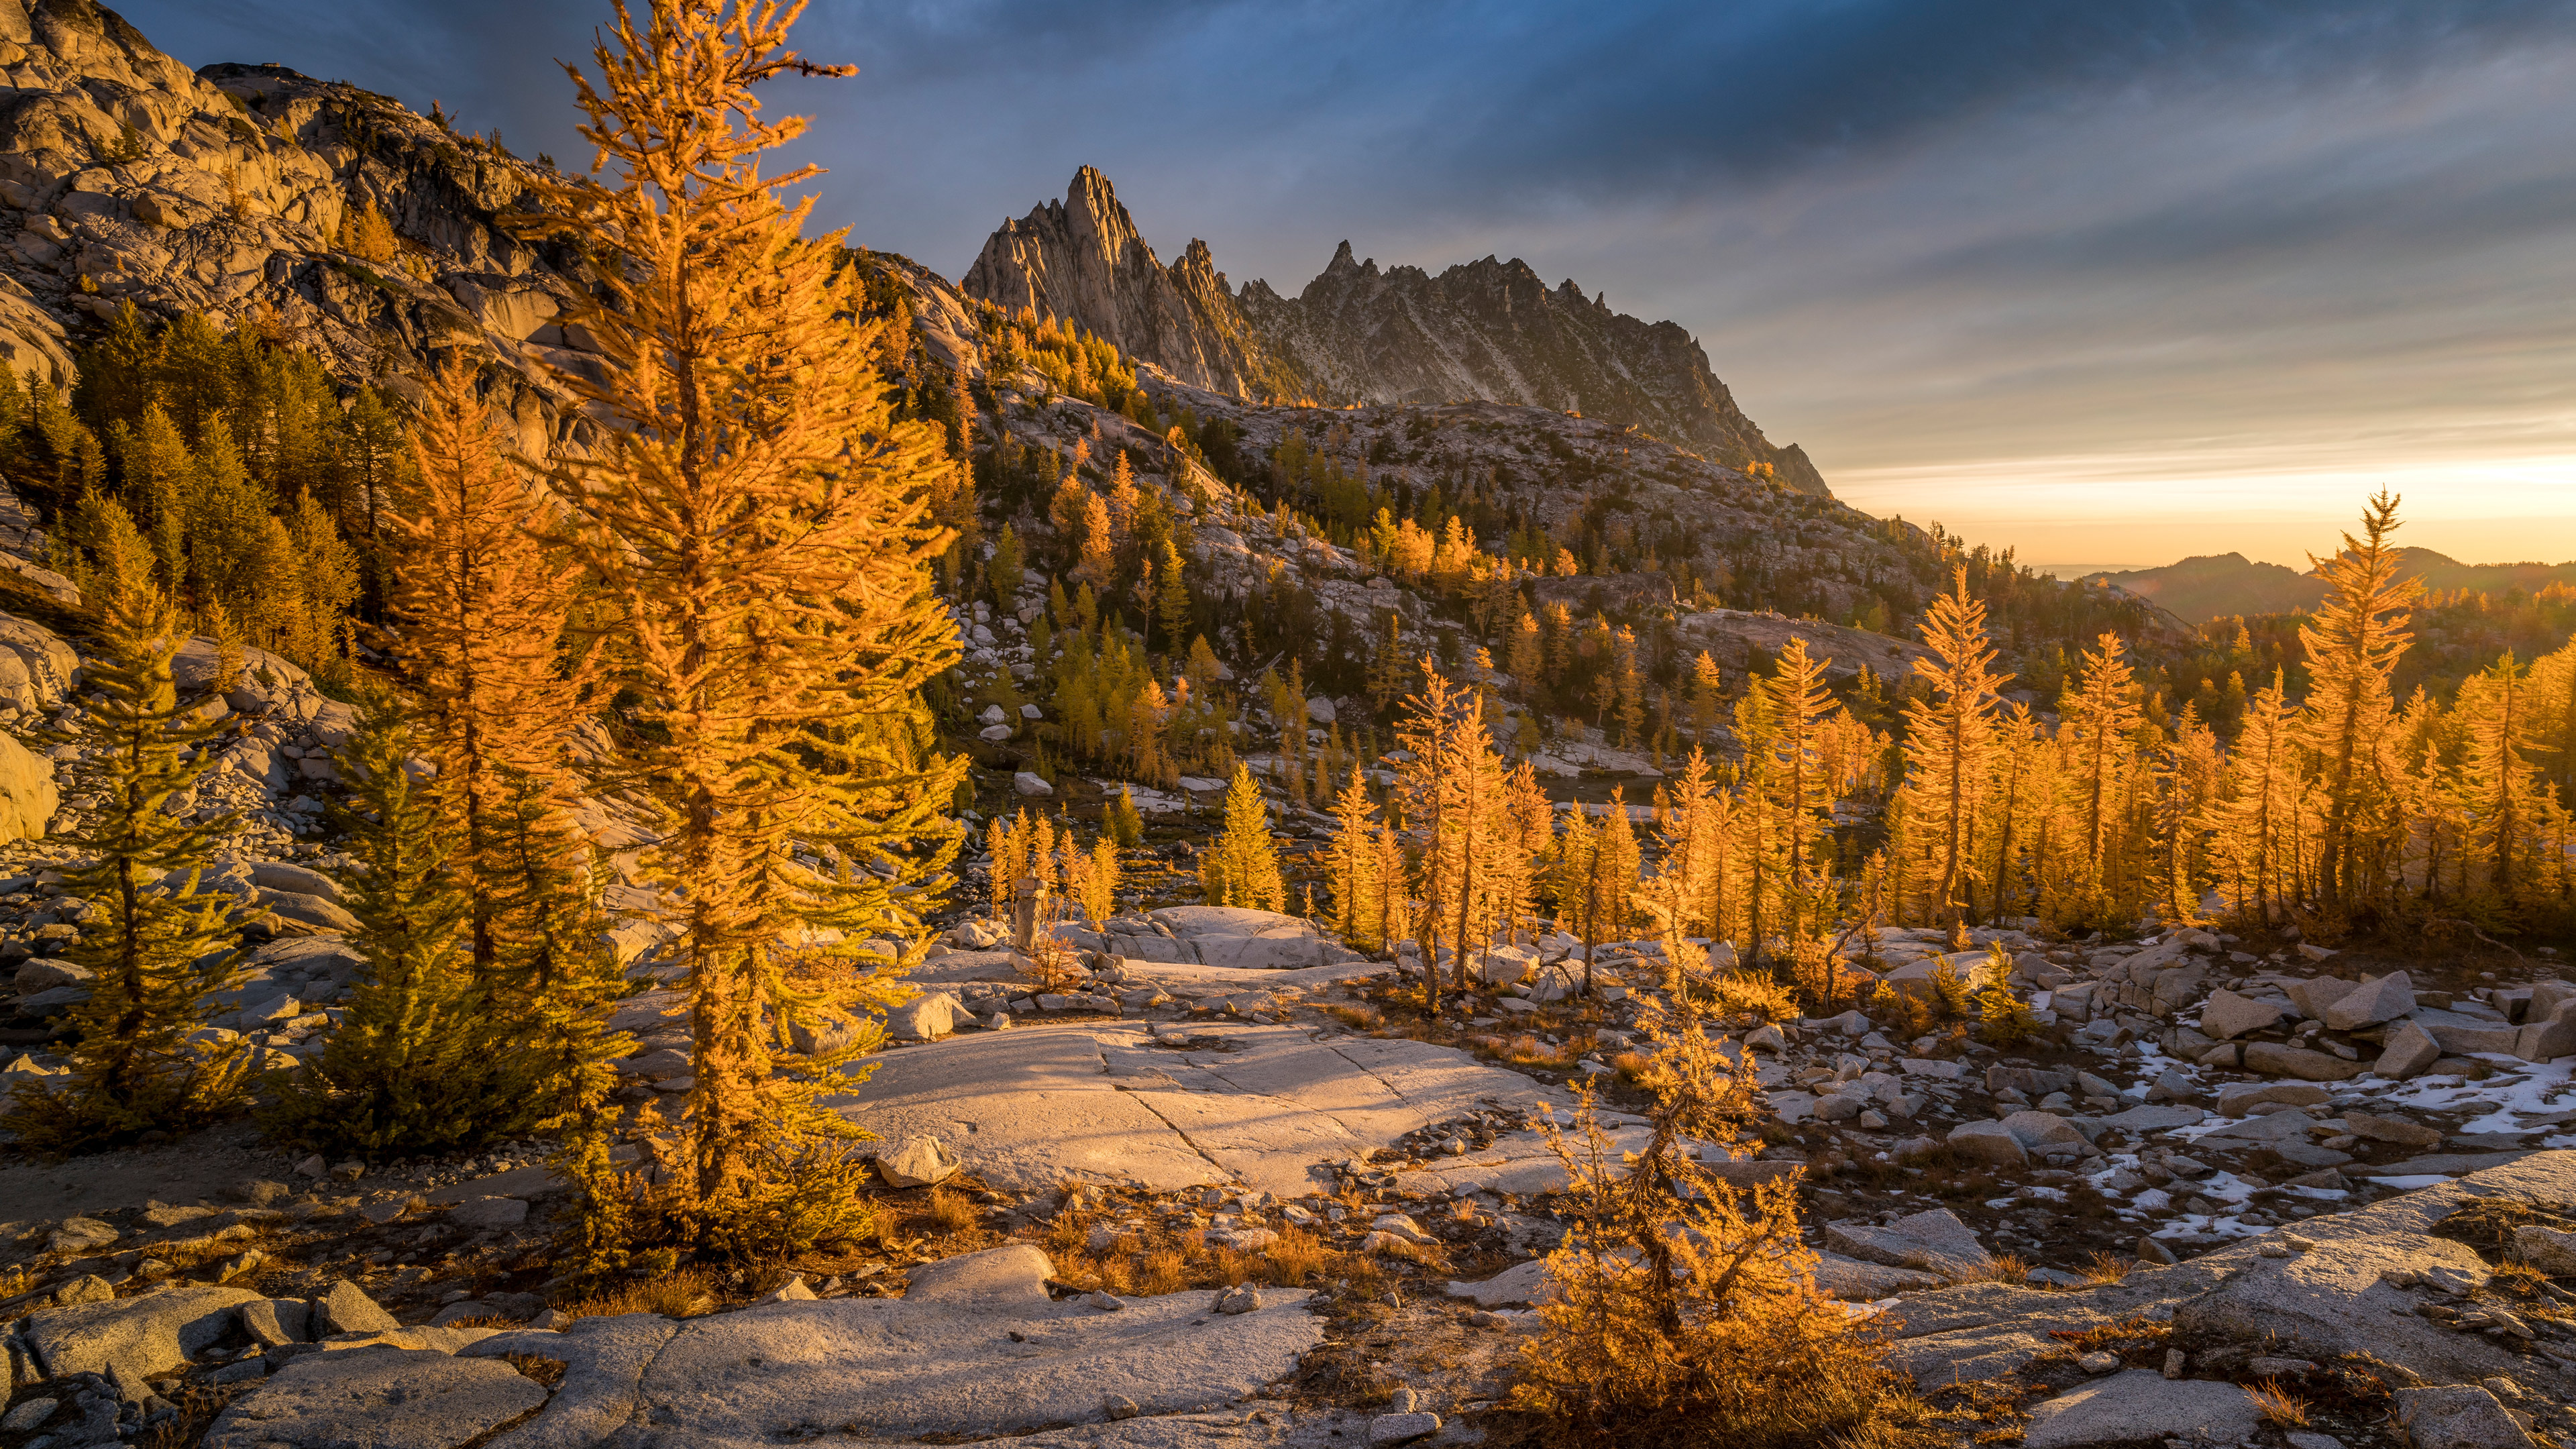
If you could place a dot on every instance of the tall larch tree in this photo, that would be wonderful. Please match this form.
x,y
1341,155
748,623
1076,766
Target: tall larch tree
x,y
482,605
2100,716
1950,745
754,521
2353,643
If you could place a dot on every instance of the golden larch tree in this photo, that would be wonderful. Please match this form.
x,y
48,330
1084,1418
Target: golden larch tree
x,y
754,521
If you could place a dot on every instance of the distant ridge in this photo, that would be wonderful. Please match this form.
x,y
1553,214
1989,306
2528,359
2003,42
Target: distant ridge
x,y
2210,586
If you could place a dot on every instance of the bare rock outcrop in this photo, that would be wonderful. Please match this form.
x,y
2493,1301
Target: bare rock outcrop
x,y
1488,330
1081,260
250,192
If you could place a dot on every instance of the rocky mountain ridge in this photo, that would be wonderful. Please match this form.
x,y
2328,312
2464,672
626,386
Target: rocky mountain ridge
x,y
1487,330
250,193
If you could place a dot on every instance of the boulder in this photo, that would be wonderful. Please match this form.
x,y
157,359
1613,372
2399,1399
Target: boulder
x,y
1854,1281
42,973
277,875
1935,1240
345,1308
2235,1099
2045,1133
138,1337
405,1398
2547,1039
2463,1035
2390,1129
2382,998
925,1018
2317,993
1031,785
2230,1015
312,912
272,1322
917,1162
37,669
2142,1404
2457,1416
2546,1249
2547,997
1989,1142
2407,1052
1520,1283
1004,1279
2290,1061
28,795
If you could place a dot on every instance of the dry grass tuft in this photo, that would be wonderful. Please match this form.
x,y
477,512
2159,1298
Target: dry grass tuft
x,y
1297,1257
2004,1268
1164,1270
673,1295
2280,1406
951,1212
1357,1018
546,1371
2107,1268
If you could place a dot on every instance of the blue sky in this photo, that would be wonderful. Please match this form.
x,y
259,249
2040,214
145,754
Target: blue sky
x,y
2111,283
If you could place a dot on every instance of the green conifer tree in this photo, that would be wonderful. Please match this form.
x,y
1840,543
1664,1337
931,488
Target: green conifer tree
x,y
1242,868
423,1061
155,947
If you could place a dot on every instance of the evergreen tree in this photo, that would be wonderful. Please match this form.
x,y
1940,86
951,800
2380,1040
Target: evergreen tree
x,y
2498,787
2256,815
482,607
1242,867
755,520
2353,643
1950,745
155,946
1122,821
423,1061
1353,866
2101,715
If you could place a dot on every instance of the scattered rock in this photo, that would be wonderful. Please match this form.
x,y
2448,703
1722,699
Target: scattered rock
x,y
2457,1416
2141,1404
2384,998
345,1308
1387,1429
917,1162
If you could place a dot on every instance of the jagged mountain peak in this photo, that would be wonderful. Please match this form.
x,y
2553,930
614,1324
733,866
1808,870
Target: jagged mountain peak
x,y
1489,330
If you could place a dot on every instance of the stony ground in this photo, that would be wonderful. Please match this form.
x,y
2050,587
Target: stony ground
x,y
1228,1098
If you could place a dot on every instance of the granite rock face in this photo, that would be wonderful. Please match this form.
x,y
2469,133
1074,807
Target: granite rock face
x,y
237,191
1490,330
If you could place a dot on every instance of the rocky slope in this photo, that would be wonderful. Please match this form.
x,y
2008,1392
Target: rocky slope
x,y
237,193
1488,330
